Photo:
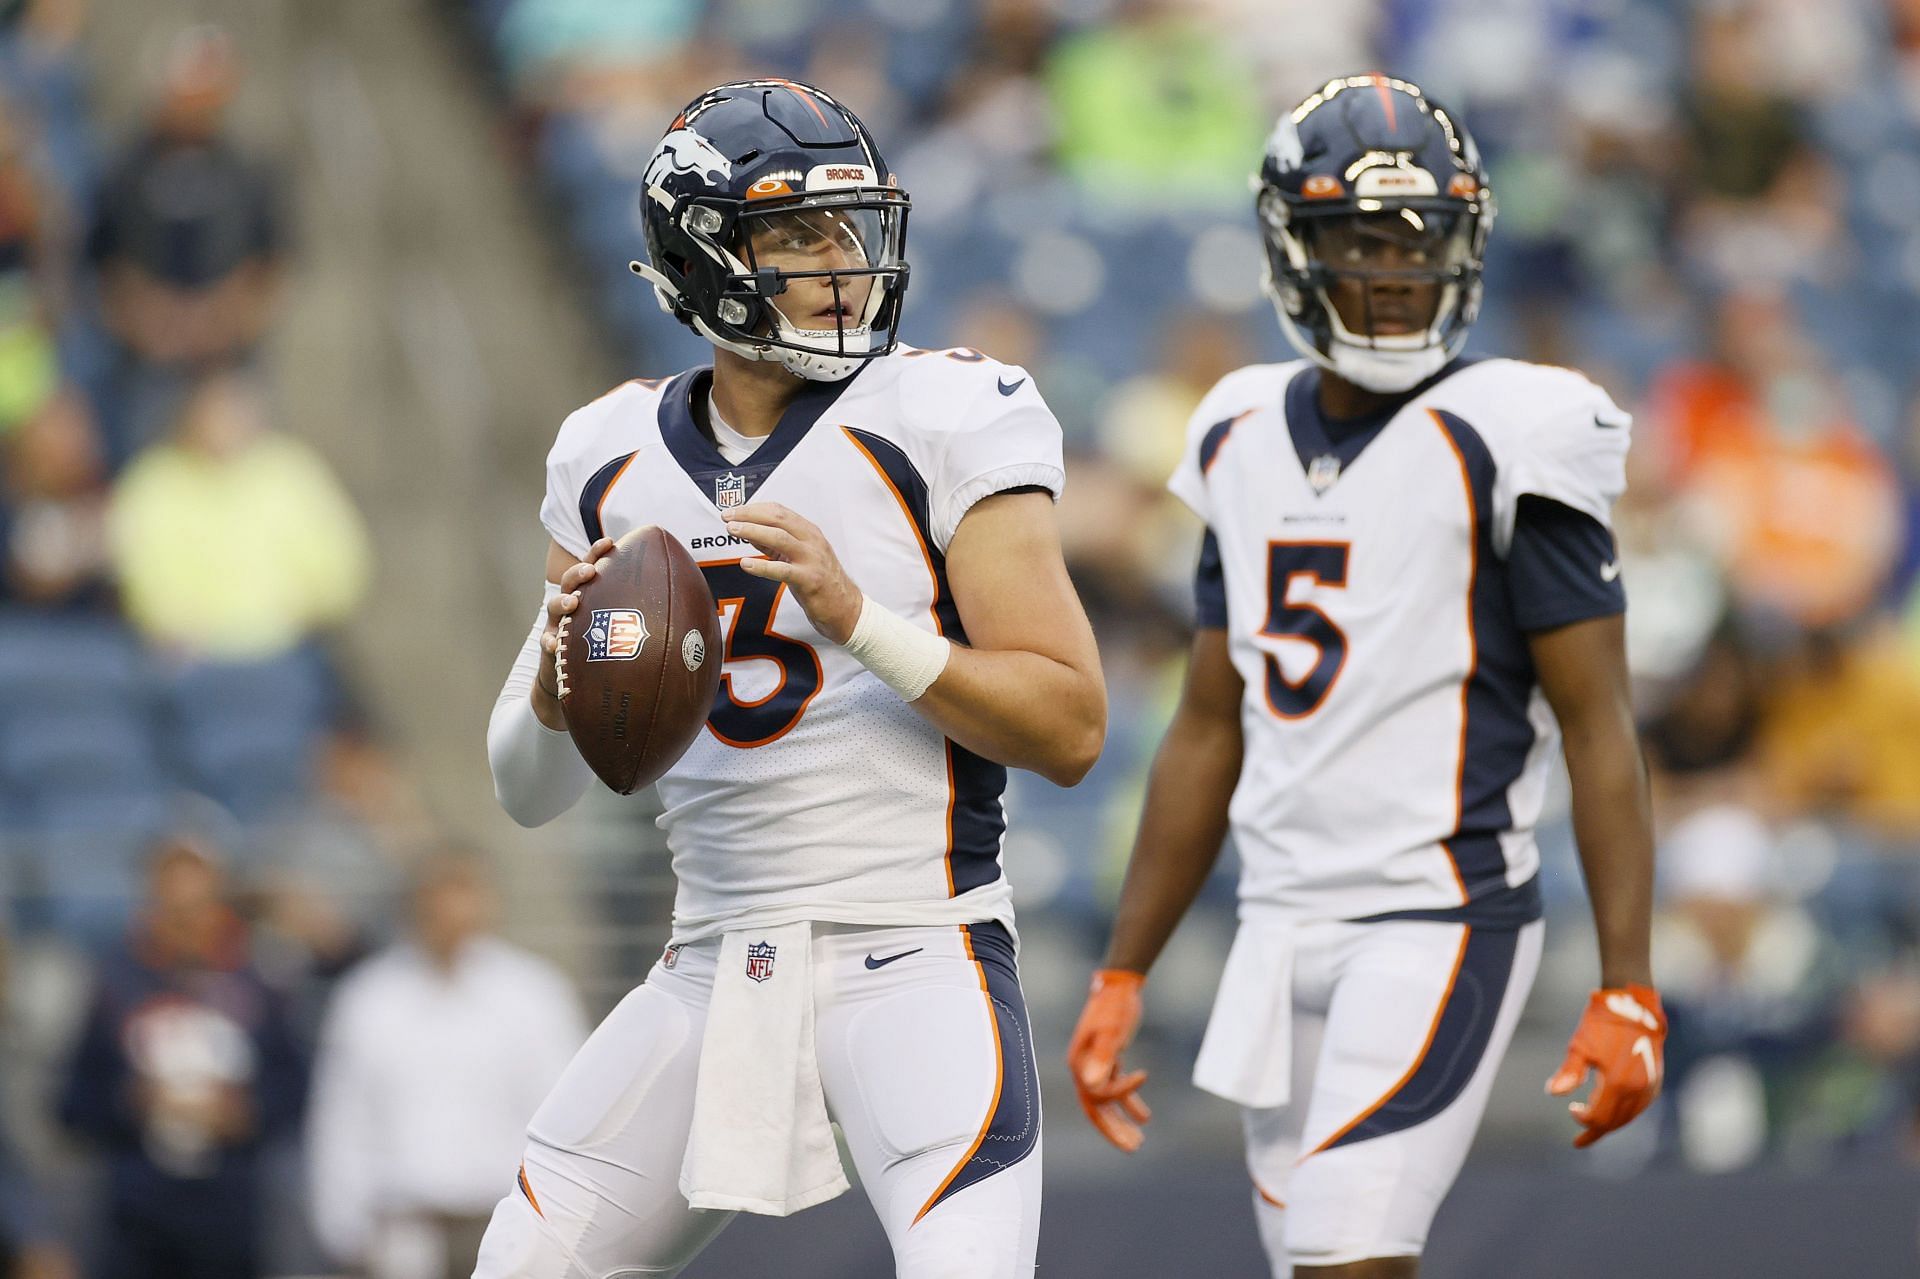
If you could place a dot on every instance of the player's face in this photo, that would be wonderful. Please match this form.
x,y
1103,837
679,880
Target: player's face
x,y
818,240
1385,267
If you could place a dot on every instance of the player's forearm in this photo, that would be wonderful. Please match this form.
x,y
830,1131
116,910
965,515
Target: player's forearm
x,y
1612,822
1021,709
537,773
1181,832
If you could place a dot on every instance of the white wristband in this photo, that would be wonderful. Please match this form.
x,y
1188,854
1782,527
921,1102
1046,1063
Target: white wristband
x,y
906,658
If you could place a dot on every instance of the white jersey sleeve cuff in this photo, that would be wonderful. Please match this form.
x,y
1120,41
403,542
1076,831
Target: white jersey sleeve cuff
x,y
947,518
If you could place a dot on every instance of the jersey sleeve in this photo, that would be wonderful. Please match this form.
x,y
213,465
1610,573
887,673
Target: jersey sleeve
x,y
1206,432
1008,440
1568,445
1562,567
560,508
1209,587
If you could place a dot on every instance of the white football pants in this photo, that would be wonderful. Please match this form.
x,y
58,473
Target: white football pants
x,y
1398,1029
926,1059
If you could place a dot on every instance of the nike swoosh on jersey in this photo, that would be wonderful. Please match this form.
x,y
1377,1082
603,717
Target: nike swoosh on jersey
x,y
1609,571
1009,390
882,963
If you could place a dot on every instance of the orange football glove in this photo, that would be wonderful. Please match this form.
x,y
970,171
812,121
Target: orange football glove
x,y
1623,1037
1111,1099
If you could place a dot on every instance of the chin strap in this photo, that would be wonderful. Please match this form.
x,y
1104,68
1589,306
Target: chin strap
x,y
815,366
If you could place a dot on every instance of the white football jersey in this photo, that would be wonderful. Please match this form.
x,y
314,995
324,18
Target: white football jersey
x,y
815,791
1397,744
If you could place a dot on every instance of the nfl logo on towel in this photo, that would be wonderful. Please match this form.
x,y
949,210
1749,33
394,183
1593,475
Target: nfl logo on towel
x,y
615,635
730,491
760,960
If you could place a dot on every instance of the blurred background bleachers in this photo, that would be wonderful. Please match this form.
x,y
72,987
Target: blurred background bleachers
x,y
293,295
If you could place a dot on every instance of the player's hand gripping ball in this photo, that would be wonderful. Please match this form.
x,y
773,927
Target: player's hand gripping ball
x,y
637,659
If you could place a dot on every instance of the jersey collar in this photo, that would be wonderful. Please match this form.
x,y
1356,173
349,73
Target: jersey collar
x,y
695,450
1327,446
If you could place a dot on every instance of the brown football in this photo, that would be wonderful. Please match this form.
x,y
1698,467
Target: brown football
x,y
639,660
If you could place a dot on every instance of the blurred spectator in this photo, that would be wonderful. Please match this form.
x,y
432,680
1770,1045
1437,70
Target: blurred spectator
x,y
53,508
1765,204
230,539
433,1059
31,276
188,237
1761,437
1748,978
579,53
1841,738
1879,1070
29,1247
186,1067
1156,109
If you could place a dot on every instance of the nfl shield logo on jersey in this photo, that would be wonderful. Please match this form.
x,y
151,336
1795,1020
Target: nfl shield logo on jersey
x,y
615,635
730,491
760,960
1323,471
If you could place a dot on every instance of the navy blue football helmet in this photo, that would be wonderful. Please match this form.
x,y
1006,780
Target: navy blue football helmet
x,y
764,168
1367,158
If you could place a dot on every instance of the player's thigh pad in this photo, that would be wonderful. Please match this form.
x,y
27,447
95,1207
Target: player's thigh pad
x,y
929,1069
1419,1017
599,1193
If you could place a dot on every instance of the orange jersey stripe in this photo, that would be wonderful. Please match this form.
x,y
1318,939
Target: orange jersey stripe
x,y
600,507
933,577
1473,641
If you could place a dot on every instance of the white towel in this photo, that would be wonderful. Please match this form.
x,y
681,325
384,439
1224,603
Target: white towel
x,y
1247,1055
761,1140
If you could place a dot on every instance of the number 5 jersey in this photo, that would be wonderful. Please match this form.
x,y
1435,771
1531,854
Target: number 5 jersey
x,y
1377,580
815,791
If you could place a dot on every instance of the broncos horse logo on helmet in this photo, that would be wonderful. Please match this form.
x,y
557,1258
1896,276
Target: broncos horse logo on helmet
x,y
1362,160
763,184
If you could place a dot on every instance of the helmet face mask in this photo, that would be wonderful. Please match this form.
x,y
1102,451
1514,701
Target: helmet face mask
x,y
1375,211
782,237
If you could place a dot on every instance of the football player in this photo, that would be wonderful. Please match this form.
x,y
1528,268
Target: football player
x,y
1407,597
876,524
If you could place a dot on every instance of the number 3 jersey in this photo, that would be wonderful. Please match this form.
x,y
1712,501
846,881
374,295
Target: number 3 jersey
x,y
1377,581
815,791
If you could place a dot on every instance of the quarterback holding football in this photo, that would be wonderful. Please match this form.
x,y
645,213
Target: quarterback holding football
x,y
1408,601
897,629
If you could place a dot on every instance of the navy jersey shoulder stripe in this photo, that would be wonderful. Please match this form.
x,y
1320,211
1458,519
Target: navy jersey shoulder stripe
x,y
594,496
1456,1042
1012,1130
977,818
1216,436
1495,732
1210,586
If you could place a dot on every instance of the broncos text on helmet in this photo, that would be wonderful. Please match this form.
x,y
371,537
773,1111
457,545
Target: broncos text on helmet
x,y
1373,196
765,188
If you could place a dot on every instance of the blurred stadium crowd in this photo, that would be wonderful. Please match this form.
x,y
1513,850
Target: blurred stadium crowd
x,y
1709,207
